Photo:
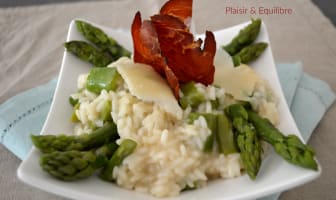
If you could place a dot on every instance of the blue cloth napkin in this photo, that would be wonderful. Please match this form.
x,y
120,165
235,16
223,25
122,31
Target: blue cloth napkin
x,y
25,113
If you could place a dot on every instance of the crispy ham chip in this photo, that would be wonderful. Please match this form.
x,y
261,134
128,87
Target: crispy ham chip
x,y
181,9
147,50
165,43
184,55
146,44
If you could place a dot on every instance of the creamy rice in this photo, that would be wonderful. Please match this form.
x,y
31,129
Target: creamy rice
x,y
169,154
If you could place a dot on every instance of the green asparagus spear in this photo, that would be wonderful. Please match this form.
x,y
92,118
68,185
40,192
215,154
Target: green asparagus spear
x,y
89,53
191,96
249,53
101,40
245,37
247,140
212,125
73,165
69,165
225,137
289,147
236,60
106,150
126,147
104,153
50,143
221,131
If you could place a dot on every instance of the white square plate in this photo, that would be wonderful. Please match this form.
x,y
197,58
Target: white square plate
x,y
275,174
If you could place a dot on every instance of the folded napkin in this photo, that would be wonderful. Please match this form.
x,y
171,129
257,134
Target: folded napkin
x,y
25,113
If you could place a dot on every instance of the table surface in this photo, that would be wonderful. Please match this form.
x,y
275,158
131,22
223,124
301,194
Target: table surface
x,y
31,52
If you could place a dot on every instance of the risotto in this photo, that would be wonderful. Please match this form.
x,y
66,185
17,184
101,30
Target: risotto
x,y
177,114
169,156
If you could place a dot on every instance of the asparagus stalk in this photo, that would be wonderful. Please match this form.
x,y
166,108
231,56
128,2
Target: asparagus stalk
x,y
106,150
101,40
99,137
245,37
221,132
224,135
249,53
126,147
69,165
289,147
247,140
212,125
89,53
73,165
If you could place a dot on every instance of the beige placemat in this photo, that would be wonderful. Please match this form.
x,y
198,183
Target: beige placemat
x,y
31,52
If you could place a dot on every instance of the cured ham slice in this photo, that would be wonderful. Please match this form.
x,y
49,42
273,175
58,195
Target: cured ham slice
x,y
165,43
181,9
147,50
185,56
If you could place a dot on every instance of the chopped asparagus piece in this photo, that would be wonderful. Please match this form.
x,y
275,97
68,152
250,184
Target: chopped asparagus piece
x,y
191,96
225,137
73,101
126,147
211,120
103,79
105,113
